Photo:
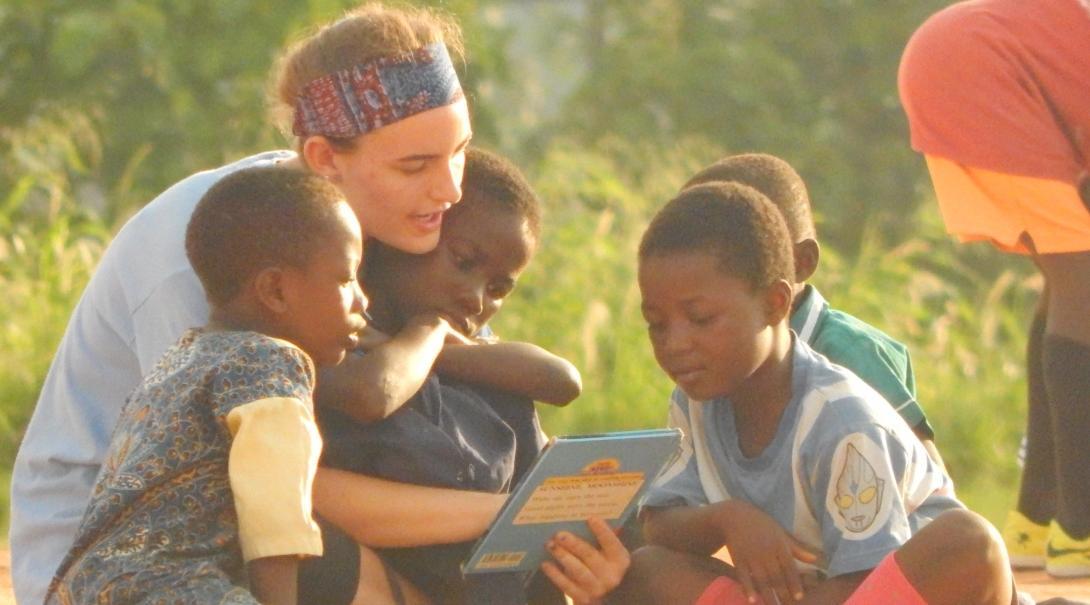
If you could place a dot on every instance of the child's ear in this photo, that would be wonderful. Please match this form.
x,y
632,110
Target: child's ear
x,y
806,253
778,301
319,155
269,289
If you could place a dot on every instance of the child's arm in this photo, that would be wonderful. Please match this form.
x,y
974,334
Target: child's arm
x,y
684,528
273,456
371,387
516,367
273,580
381,513
763,553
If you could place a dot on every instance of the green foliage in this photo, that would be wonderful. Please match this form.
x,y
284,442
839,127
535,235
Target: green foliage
x,y
48,247
813,82
168,87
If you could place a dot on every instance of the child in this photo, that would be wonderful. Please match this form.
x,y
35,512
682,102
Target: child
x,y
880,361
791,462
468,424
210,466
995,92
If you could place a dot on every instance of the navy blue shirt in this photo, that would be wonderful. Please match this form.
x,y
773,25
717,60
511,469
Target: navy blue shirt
x,y
449,434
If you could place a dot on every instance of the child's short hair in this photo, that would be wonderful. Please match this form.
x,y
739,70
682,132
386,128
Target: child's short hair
x,y
774,178
257,218
492,179
734,222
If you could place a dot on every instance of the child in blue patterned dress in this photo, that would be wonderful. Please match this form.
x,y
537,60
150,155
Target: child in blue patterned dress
x,y
205,496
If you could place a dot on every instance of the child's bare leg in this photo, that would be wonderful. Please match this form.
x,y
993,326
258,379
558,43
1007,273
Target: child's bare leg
x,y
381,585
659,576
958,558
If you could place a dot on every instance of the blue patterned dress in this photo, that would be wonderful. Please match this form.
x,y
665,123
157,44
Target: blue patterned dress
x,y
161,526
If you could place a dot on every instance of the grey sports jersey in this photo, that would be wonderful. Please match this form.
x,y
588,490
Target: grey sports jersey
x,y
844,474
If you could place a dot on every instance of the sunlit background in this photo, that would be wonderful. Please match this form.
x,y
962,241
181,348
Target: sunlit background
x,y
608,105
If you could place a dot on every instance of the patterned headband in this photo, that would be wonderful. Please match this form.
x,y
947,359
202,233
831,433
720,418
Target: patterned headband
x,y
373,94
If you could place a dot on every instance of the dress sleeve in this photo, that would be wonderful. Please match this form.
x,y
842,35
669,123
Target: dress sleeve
x,y
274,455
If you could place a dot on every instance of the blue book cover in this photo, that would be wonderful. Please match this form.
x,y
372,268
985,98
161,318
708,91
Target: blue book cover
x,y
574,478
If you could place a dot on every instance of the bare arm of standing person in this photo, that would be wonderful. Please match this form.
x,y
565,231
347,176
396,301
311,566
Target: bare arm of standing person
x,y
369,387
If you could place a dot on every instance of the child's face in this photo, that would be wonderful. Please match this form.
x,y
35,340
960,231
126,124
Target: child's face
x,y
710,331
480,256
324,302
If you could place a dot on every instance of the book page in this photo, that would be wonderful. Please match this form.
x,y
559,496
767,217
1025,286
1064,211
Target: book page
x,y
577,497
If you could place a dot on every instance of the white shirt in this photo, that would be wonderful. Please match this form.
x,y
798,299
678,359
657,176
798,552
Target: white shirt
x,y
142,297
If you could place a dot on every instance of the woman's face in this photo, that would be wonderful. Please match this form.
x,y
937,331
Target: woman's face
x,y
401,178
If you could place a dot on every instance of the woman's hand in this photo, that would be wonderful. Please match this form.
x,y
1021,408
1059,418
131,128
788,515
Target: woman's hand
x,y
763,554
583,572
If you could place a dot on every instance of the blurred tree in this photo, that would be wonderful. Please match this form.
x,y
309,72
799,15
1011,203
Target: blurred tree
x,y
170,87
813,82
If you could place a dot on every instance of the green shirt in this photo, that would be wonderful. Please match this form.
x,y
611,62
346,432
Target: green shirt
x,y
870,353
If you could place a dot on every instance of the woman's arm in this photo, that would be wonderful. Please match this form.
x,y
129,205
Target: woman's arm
x,y
273,580
381,513
516,367
370,387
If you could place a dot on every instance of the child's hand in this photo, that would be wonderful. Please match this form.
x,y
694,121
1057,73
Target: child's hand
x,y
763,554
431,322
456,337
584,573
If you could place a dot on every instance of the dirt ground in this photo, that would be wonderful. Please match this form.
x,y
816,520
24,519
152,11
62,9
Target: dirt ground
x,y
1036,583
6,597
1041,586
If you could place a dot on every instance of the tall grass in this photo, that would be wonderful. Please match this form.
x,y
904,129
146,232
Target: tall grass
x,y
962,310
49,245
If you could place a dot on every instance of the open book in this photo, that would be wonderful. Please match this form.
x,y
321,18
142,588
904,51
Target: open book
x,y
573,479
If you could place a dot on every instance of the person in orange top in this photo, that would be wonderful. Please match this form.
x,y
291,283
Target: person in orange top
x,y
997,94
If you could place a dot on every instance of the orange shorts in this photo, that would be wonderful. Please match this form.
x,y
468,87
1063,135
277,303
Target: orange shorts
x,y
885,585
980,204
